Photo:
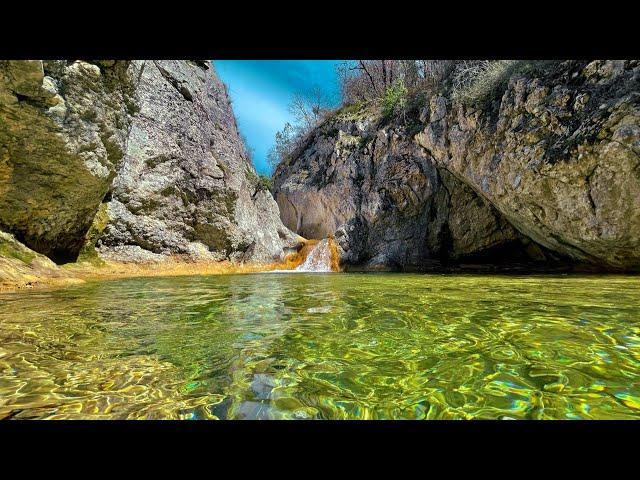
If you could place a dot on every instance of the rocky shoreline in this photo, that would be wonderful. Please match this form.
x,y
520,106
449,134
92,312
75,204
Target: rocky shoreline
x,y
22,268
79,273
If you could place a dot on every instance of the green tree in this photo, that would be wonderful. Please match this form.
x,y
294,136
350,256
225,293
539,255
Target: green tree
x,y
283,146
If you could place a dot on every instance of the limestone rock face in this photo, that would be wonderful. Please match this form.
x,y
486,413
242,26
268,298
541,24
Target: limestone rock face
x,y
140,159
559,157
63,132
384,199
186,185
548,169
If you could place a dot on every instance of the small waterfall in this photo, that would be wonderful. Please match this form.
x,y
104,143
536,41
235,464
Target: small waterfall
x,y
313,256
319,259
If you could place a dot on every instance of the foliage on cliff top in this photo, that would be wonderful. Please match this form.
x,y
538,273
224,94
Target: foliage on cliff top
x,y
309,110
470,82
477,83
395,91
395,98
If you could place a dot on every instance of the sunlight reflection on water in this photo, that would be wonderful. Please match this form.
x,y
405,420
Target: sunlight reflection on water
x,y
324,346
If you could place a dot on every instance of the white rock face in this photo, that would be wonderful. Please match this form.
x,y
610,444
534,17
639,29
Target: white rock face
x,y
156,140
186,185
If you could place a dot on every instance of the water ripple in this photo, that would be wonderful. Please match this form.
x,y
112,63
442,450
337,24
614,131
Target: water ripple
x,y
303,346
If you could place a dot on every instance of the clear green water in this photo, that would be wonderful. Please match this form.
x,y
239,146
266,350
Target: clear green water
x,y
356,346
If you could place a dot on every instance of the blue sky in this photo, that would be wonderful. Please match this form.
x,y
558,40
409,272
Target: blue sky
x,y
261,91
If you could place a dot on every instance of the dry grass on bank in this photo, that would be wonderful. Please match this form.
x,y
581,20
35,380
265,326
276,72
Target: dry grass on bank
x,y
78,273
178,266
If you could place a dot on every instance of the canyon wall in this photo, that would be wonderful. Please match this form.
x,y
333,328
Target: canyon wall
x,y
186,185
63,135
386,202
136,160
560,158
546,170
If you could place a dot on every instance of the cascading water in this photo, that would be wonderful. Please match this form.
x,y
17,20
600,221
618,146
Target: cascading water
x,y
314,256
318,260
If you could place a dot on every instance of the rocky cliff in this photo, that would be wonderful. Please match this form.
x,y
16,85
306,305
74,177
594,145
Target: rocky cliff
x,y
186,185
63,134
559,157
140,159
545,170
385,200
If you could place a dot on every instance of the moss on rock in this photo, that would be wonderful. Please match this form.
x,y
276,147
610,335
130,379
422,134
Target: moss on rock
x,y
11,248
88,252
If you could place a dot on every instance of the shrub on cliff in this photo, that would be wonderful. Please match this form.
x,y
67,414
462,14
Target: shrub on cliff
x,y
259,182
248,150
284,144
470,82
309,110
395,99
476,81
370,80
264,183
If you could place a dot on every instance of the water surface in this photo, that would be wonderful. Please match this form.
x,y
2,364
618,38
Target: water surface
x,y
325,346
